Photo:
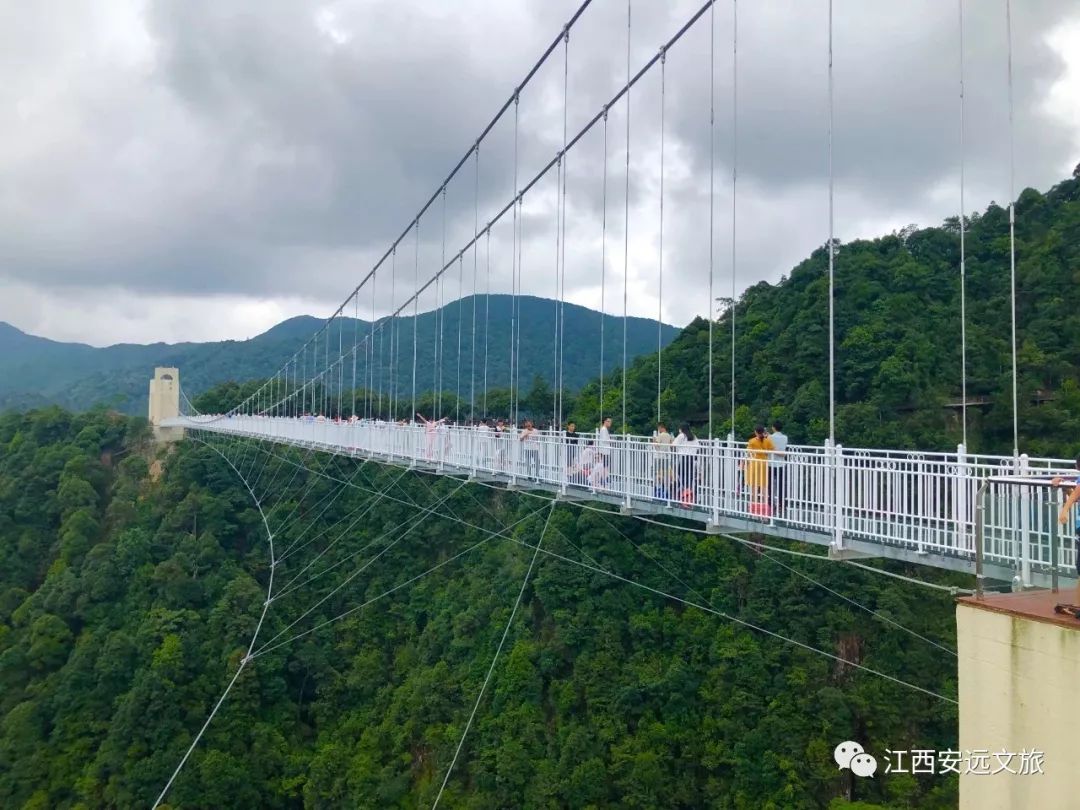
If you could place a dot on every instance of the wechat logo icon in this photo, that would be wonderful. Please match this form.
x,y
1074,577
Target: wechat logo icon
x,y
850,754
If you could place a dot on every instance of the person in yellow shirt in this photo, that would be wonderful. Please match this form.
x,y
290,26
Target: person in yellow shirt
x,y
757,471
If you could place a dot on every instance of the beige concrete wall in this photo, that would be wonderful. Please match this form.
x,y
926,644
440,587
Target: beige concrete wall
x,y
1019,689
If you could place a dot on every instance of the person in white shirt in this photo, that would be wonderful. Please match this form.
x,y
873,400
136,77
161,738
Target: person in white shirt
x,y
686,449
778,467
483,444
662,445
603,441
530,441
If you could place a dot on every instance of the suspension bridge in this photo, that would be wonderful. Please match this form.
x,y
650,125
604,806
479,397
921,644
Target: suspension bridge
x,y
995,516
923,507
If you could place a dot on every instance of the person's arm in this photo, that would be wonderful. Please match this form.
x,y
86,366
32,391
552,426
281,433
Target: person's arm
x,y
1074,496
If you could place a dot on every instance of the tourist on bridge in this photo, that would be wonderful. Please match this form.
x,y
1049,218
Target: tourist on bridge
x,y
1066,509
686,447
530,441
483,444
431,427
759,447
500,444
663,475
590,469
572,439
603,441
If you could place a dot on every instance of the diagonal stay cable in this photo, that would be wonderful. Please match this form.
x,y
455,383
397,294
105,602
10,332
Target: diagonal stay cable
x,y
772,559
761,547
310,485
363,509
953,590
876,614
288,485
334,460
712,609
270,484
288,552
452,517
743,622
491,514
495,658
378,493
357,572
425,512
267,648
690,603
258,478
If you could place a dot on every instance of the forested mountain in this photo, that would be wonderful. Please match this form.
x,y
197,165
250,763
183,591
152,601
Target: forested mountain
x,y
131,580
35,371
898,358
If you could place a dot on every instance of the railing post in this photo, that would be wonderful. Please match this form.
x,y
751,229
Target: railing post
x,y
831,500
714,487
840,491
562,457
980,522
1025,526
473,447
731,490
512,454
1052,514
961,505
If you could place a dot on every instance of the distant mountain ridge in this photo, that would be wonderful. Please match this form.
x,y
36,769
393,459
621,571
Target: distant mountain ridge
x,y
36,371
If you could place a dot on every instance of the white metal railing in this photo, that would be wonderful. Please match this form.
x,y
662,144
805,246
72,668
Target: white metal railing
x,y
921,502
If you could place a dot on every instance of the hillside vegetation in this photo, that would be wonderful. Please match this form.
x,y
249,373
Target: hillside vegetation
x,y
127,600
898,358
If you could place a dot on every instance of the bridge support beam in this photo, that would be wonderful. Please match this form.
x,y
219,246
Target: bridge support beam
x,y
844,553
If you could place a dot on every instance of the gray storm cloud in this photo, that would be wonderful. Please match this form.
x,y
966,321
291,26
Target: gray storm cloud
x,y
177,152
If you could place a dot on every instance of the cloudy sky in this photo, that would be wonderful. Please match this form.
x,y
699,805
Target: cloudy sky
x,y
195,171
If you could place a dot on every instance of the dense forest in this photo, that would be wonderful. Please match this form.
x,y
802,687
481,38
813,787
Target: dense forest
x,y
132,578
36,372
